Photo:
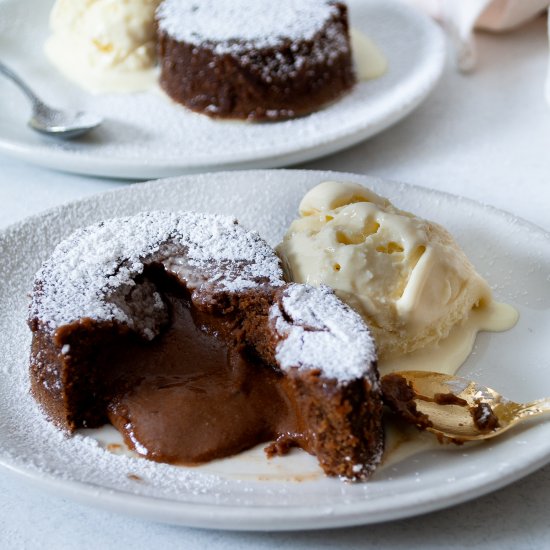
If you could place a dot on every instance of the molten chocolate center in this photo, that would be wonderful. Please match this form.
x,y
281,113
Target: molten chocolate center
x,y
196,392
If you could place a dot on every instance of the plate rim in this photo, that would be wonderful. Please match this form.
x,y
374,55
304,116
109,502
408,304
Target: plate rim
x,y
303,517
86,164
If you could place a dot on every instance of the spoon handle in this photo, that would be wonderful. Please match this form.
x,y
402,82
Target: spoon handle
x,y
6,71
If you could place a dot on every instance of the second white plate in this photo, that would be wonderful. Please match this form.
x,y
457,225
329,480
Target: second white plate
x,y
146,135
248,491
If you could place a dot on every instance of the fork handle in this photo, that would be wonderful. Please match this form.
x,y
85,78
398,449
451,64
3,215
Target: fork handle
x,y
534,408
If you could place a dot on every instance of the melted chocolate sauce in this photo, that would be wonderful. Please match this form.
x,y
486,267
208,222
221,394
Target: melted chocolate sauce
x,y
195,393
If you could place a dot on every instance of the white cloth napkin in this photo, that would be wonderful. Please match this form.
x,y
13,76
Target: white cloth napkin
x,y
460,17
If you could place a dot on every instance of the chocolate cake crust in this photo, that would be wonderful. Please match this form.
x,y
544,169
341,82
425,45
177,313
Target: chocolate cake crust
x,y
253,77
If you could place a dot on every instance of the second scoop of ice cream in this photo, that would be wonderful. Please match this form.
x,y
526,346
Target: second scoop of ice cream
x,y
104,45
407,276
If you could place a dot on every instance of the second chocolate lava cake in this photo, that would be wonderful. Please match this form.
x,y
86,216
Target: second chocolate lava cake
x,y
254,59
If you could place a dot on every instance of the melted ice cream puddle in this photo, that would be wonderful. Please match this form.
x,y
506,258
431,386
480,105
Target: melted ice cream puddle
x,y
369,61
447,355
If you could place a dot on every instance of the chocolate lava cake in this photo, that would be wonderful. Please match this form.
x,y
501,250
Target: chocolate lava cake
x,y
254,59
180,331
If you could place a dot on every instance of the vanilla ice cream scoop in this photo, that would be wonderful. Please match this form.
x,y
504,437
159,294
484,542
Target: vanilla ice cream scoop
x,y
104,45
406,276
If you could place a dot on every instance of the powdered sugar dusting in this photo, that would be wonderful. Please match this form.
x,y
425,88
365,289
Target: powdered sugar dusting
x,y
255,22
93,273
323,334
274,40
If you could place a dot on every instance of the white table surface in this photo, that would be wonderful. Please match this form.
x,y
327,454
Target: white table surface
x,y
485,136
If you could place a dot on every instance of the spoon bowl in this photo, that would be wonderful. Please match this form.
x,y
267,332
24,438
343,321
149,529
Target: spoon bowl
x,y
455,408
63,124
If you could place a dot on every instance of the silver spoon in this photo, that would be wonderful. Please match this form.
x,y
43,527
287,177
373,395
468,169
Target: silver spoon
x,y
453,407
50,121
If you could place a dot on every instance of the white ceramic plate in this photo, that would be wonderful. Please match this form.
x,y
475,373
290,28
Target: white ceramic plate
x,y
146,135
248,491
